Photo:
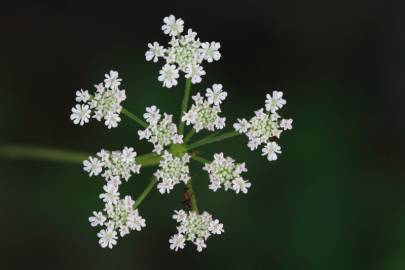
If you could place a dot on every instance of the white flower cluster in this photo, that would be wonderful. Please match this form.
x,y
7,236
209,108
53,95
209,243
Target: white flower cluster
x,y
194,227
203,114
104,104
265,126
224,171
172,170
119,214
186,53
117,165
161,131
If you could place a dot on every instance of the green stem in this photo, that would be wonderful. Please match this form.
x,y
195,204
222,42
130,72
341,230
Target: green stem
x,y
212,135
145,193
132,116
184,104
189,136
210,140
194,205
200,159
58,155
41,153
147,160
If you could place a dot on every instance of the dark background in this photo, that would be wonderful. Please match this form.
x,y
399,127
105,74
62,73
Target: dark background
x,y
334,199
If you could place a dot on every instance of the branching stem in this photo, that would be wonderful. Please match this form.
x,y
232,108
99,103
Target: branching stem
x,y
184,104
145,192
189,136
132,116
209,140
58,155
200,159
194,205
41,153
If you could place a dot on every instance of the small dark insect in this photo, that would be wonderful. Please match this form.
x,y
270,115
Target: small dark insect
x,y
187,197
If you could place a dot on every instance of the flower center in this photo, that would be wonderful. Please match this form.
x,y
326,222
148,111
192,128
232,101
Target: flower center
x,y
178,149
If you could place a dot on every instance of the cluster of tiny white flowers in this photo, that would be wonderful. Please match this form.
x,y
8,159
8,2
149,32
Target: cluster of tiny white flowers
x,y
194,227
104,104
186,53
265,126
172,170
114,166
118,215
204,113
161,131
224,171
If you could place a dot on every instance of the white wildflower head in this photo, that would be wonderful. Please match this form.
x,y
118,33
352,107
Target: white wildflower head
x,y
266,126
114,166
223,171
169,75
216,95
286,124
204,113
155,51
80,114
275,101
185,53
271,149
172,27
111,194
119,216
210,51
97,219
104,104
108,238
195,73
194,227
172,171
161,131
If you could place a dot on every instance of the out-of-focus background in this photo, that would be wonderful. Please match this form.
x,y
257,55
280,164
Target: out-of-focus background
x,y
335,199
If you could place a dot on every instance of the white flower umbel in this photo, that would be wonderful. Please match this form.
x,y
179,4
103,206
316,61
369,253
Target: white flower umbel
x,y
116,165
172,170
185,53
118,216
161,131
266,126
194,227
105,104
223,171
204,114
